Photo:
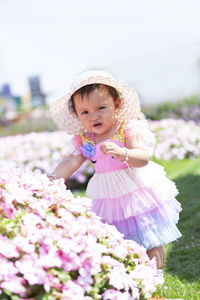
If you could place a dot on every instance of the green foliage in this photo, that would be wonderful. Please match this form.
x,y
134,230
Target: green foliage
x,y
27,126
4,297
182,265
9,227
129,262
101,282
191,101
61,274
170,109
103,241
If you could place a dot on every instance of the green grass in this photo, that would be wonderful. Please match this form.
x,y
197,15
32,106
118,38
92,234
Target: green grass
x,y
182,264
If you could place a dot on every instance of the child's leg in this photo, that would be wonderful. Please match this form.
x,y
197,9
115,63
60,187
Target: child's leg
x,y
159,254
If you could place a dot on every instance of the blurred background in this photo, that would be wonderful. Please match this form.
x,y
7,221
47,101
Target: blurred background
x,y
152,45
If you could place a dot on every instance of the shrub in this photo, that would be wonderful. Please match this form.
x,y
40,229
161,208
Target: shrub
x,y
186,109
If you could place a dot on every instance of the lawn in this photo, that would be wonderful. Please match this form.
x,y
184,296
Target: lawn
x,y
182,265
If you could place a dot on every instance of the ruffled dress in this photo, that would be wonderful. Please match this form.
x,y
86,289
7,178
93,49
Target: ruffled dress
x,y
139,202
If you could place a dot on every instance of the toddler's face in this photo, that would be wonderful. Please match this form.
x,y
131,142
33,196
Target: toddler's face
x,y
97,111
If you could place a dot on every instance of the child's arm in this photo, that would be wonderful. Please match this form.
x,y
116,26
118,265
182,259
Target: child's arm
x,y
67,167
135,153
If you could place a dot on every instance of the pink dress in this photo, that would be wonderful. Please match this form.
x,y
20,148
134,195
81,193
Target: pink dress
x,y
140,202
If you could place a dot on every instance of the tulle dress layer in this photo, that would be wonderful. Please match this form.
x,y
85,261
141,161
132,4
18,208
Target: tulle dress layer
x,y
139,202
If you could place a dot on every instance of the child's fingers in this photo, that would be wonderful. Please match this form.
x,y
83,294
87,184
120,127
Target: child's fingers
x,y
109,152
105,149
112,152
108,145
109,148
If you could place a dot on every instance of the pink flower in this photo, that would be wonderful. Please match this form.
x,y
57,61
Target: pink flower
x,y
50,260
23,244
116,295
32,272
7,248
118,278
14,285
35,277
7,270
72,291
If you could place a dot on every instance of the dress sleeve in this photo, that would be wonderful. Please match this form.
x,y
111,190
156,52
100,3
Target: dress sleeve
x,y
143,137
76,144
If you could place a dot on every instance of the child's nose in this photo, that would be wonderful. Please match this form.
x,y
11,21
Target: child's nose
x,y
94,115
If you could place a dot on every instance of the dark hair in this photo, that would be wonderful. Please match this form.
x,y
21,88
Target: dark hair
x,y
87,89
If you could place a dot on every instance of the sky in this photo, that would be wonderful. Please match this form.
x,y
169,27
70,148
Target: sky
x,y
154,45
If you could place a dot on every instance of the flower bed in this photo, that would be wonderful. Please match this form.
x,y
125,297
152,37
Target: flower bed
x,y
176,139
53,247
41,152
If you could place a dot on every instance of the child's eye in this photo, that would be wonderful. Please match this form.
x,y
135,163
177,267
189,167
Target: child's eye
x,y
85,112
101,107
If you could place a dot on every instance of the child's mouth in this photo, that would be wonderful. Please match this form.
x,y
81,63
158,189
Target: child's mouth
x,y
97,124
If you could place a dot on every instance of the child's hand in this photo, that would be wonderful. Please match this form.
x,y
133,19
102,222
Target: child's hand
x,y
110,148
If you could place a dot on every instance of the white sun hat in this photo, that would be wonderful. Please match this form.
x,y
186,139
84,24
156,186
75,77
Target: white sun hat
x,y
67,120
